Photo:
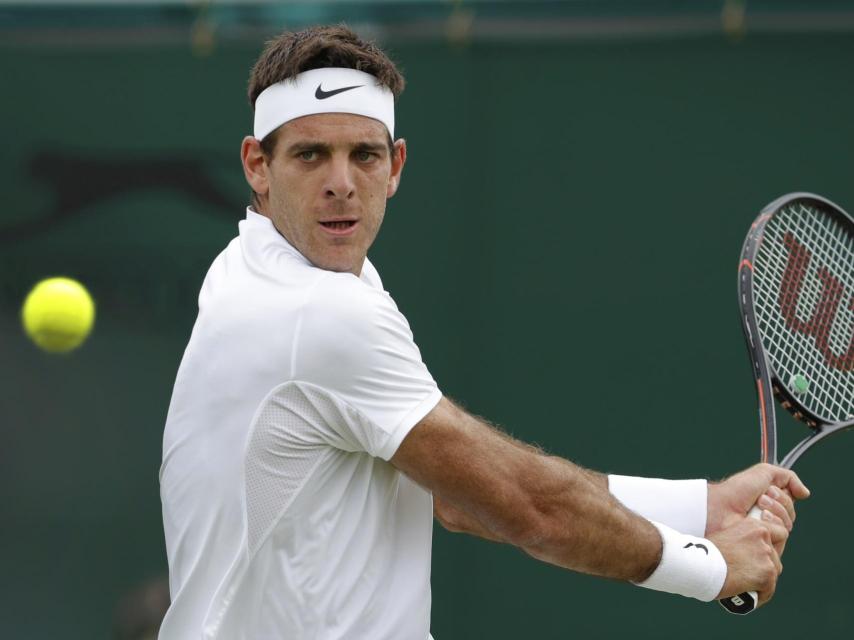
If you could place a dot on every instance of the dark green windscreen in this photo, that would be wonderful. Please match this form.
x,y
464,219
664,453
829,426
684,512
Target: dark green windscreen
x,y
564,244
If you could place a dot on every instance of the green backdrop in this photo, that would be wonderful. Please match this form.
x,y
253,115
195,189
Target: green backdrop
x,y
564,245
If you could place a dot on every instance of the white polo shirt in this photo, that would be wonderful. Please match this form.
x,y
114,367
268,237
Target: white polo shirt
x,y
282,517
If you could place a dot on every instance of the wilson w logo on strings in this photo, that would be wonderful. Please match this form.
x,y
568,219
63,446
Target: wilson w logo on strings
x,y
832,295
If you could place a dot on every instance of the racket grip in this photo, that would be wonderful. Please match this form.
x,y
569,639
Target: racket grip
x,y
743,603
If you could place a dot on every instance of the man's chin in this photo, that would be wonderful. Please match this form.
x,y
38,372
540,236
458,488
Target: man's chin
x,y
339,264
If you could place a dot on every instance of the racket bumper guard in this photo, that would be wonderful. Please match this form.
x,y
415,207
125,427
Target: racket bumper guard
x,y
741,604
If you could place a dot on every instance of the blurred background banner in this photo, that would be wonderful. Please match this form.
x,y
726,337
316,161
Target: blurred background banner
x,y
580,179
425,20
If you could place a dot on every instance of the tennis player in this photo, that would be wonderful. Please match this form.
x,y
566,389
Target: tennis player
x,y
307,447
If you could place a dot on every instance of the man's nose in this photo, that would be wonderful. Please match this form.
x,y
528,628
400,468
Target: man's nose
x,y
339,180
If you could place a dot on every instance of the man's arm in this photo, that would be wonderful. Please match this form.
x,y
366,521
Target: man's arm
x,y
458,521
770,487
548,507
486,483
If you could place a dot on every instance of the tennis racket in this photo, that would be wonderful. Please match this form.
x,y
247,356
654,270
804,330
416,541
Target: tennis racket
x,y
796,293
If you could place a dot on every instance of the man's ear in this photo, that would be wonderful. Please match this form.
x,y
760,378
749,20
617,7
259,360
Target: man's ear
x,y
254,166
398,159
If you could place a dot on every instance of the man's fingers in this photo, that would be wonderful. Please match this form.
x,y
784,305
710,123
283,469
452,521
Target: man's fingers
x,y
797,488
780,504
778,534
776,527
778,531
778,564
789,480
766,590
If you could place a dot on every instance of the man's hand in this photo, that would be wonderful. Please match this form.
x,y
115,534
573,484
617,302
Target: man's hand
x,y
772,488
750,550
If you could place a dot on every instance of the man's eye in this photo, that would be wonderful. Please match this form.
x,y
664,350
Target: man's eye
x,y
308,156
364,156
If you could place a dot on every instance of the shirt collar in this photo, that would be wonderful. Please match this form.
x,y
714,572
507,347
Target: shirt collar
x,y
256,221
262,225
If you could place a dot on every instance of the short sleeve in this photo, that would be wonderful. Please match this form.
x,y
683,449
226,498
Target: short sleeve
x,y
354,343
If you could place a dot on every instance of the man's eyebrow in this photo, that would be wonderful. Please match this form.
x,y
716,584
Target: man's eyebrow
x,y
370,146
307,145
323,147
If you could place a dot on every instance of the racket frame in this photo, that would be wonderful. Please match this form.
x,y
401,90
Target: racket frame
x,y
768,384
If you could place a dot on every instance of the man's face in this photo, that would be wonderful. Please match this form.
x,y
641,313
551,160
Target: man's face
x,y
328,182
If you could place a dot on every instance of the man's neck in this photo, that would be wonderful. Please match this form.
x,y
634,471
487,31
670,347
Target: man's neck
x,y
257,208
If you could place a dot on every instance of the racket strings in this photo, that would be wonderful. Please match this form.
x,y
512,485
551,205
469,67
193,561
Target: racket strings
x,y
803,286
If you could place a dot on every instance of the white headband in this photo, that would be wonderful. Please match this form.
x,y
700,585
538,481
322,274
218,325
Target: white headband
x,y
329,90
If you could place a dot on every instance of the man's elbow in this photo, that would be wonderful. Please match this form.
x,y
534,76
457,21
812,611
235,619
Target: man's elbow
x,y
445,517
459,521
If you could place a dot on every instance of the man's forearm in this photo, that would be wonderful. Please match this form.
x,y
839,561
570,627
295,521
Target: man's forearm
x,y
460,521
555,510
593,533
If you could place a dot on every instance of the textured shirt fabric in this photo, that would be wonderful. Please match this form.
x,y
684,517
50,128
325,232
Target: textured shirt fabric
x,y
283,517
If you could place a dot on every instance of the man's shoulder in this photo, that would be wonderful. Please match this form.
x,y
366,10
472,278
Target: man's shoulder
x,y
344,314
352,340
344,298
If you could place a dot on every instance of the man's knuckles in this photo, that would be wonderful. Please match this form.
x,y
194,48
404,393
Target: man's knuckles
x,y
761,532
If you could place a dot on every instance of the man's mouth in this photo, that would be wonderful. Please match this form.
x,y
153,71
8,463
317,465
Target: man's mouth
x,y
339,227
339,224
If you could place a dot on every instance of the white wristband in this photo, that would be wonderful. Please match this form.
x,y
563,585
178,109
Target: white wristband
x,y
690,566
680,504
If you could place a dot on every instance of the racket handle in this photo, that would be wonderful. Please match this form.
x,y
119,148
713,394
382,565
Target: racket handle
x,y
743,603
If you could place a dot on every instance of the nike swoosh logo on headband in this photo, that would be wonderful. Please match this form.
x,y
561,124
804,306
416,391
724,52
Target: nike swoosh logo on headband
x,y
320,94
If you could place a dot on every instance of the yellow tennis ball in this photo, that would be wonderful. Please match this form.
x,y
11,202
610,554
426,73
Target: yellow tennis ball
x,y
58,314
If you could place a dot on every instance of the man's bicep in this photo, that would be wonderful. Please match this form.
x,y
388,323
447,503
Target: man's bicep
x,y
436,451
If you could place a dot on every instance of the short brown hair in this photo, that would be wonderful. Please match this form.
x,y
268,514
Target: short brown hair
x,y
318,47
